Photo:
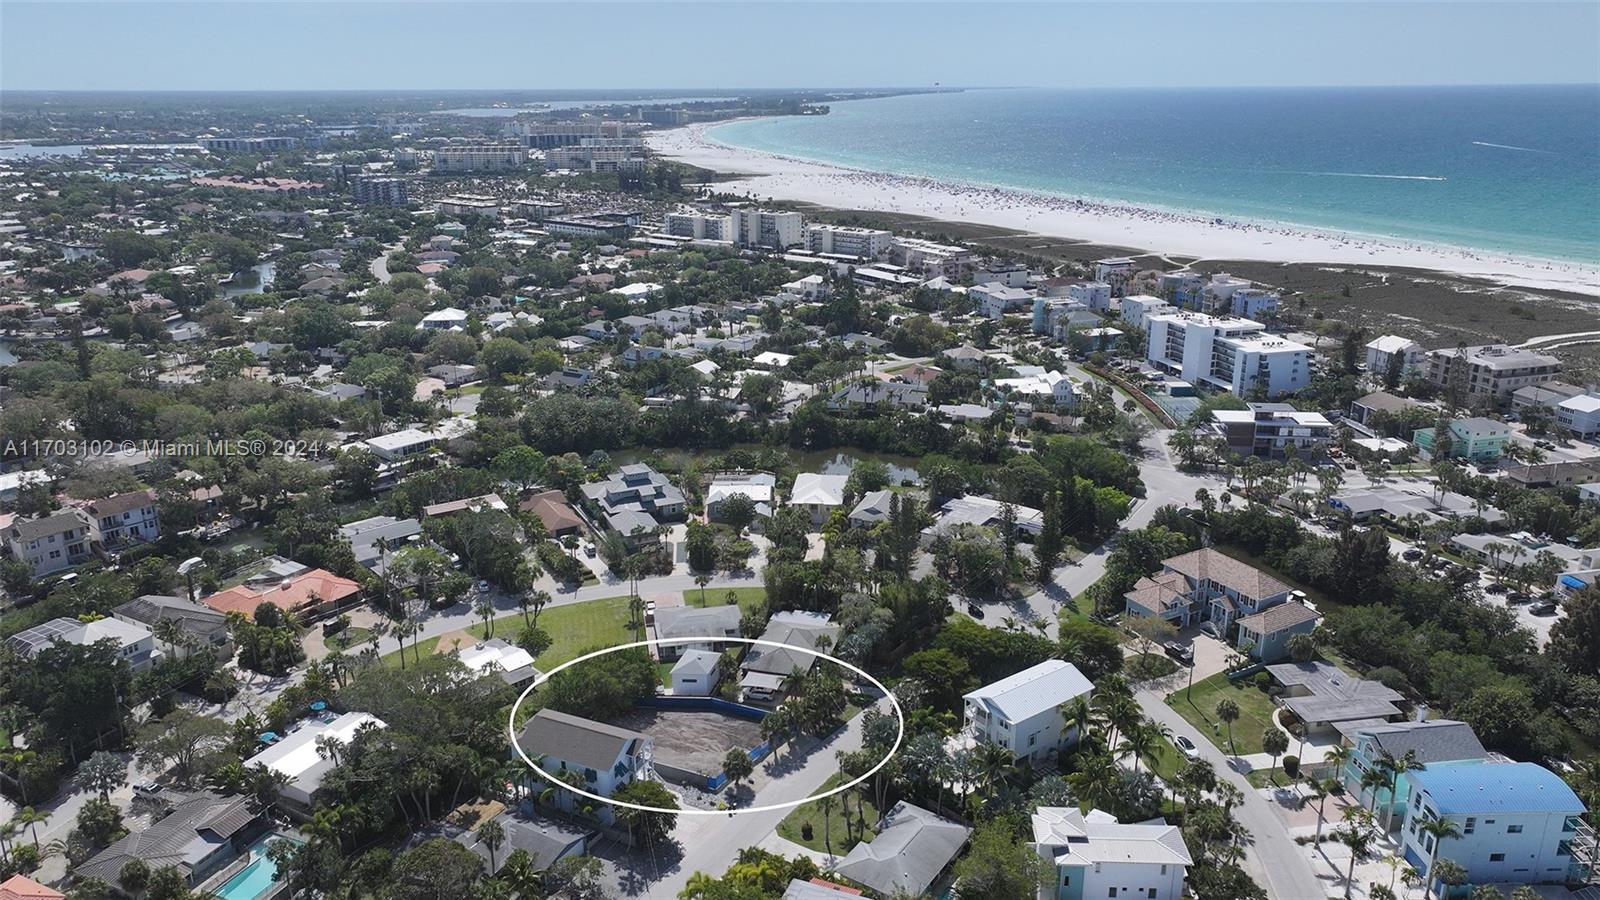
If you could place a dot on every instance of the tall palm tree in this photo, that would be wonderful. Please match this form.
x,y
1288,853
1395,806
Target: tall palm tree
x,y
1139,742
493,835
1358,836
1396,767
29,818
1439,830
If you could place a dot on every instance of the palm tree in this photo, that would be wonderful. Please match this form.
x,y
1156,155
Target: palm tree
x,y
1357,834
702,580
485,610
826,803
1274,742
1395,768
1138,742
14,759
1228,712
537,600
1371,781
493,835
29,818
1438,830
995,764
1078,714
1319,790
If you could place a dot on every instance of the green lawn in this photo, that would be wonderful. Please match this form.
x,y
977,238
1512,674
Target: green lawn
x,y
1169,760
749,597
574,629
1200,709
841,836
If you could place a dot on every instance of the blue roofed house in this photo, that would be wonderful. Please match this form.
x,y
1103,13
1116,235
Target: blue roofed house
x,y
1519,822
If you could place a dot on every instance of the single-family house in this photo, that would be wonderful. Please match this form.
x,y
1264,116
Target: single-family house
x,y
308,594
1205,585
604,756
757,487
819,495
1266,634
1518,822
51,543
765,667
204,627
1022,712
1093,855
136,644
198,837
678,623
552,508
1326,698
913,849
302,759
1431,742
374,540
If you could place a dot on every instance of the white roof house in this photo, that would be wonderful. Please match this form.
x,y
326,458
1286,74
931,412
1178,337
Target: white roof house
x,y
813,489
498,657
637,291
449,319
13,482
297,758
1095,853
772,359
1032,691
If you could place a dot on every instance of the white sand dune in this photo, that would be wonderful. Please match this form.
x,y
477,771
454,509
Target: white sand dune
x,y
1157,231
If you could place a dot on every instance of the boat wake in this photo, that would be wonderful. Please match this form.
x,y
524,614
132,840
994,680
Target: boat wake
x,y
1378,175
1511,147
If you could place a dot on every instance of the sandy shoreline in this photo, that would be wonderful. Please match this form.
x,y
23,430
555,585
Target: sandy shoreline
x,y
1161,232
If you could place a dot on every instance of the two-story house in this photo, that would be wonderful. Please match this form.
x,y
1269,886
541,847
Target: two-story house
x,y
126,519
49,544
604,757
1023,712
1206,585
1430,743
135,643
1518,822
1093,855
635,501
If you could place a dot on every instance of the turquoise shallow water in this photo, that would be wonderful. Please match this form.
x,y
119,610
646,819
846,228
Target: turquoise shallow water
x,y
1497,168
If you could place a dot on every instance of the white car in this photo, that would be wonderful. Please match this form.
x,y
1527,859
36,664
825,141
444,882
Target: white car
x,y
1187,747
483,587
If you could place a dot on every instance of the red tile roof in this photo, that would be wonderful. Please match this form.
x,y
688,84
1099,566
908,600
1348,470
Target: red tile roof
x,y
290,596
20,887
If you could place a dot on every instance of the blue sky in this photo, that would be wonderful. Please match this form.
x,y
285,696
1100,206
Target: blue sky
x,y
226,45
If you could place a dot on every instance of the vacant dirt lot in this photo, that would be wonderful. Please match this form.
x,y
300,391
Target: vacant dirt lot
x,y
696,741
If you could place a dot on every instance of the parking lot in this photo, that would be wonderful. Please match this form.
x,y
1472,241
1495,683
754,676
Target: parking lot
x,y
691,740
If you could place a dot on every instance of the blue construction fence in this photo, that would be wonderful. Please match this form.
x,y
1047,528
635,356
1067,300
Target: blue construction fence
x,y
717,782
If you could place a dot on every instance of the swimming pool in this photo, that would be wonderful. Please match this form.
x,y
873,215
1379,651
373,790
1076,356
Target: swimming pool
x,y
254,879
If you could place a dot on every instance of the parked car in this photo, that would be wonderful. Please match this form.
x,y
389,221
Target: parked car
x,y
483,587
974,610
588,549
147,789
1543,608
1499,587
649,610
1186,747
1211,629
1180,652
1517,597
1411,555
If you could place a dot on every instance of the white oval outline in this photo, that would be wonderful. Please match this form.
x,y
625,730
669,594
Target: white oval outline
x,y
894,703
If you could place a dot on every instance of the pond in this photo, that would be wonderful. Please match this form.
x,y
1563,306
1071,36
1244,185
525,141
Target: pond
x,y
253,280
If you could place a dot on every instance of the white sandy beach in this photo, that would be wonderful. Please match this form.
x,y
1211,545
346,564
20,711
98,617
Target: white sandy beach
x,y
1161,232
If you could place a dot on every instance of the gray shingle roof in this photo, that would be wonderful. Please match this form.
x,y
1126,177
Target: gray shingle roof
x,y
575,739
1434,741
912,847
172,841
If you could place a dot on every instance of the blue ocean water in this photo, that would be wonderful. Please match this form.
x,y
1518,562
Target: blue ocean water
x,y
1496,168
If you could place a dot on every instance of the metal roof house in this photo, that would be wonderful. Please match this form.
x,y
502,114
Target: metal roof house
x,y
199,836
1022,712
1094,855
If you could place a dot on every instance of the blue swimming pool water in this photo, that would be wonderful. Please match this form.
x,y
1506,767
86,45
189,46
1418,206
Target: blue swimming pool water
x,y
252,881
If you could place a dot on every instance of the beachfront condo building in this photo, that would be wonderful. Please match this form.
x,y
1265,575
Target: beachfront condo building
x,y
468,205
1270,429
248,144
764,228
929,258
1490,372
379,191
1383,352
1226,353
848,240
479,158
545,135
1137,309
698,225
